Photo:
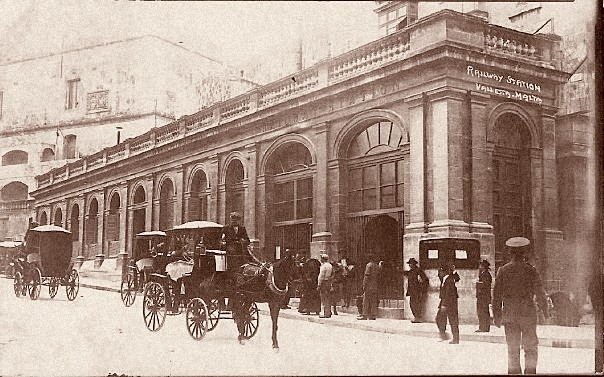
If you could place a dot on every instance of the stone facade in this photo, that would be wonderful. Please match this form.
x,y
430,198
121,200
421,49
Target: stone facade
x,y
440,130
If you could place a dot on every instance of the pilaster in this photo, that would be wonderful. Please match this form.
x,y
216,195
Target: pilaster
x,y
251,152
178,197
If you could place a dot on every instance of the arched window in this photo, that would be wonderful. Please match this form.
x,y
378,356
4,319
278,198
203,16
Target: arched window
x,y
75,222
43,218
14,158
139,195
58,221
376,183
200,193
291,197
92,223
14,191
69,147
166,205
235,192
48,154
113,218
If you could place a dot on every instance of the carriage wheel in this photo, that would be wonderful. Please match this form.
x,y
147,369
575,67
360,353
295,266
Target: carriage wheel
x,y
128,289
53,287
18,284
251,320
197,318
35,283
73,285
214,314
154,306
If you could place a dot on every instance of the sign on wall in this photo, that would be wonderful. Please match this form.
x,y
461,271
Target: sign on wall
x,y
97,101
488,79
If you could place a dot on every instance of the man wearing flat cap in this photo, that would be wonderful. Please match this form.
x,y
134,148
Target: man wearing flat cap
x,y
234,235
517,287
483,296
417,289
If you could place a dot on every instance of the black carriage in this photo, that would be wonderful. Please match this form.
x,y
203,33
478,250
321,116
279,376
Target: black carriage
x,y
147,246
196,282
8,253
48,250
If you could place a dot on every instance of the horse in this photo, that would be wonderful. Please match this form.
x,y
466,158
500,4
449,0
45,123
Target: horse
x,y
276,278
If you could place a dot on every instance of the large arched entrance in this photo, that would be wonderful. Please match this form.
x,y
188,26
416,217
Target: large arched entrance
x,y
383,236
377,163
511,183
289,195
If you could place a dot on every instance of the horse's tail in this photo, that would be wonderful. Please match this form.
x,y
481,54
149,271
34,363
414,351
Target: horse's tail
x,y
270,282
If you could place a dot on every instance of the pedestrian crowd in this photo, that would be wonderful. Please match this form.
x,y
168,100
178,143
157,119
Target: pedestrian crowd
x,y
517,287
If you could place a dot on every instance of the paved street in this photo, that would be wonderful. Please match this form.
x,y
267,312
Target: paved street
x,y
97,335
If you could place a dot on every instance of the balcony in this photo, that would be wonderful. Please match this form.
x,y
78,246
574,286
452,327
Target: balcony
x,y
445,28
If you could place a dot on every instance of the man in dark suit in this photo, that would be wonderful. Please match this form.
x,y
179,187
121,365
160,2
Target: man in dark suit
x,y
517,285
483,296
235,237
417,288
448,308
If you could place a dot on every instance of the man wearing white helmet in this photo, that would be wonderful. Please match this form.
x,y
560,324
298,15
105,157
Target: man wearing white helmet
x,y
517,285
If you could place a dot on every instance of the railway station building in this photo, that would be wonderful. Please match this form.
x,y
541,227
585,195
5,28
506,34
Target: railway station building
x,y
438,141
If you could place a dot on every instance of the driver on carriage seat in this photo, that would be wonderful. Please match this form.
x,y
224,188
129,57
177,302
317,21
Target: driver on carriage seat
x,y
235,237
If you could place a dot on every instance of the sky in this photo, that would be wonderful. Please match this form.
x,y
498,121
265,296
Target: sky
x,y
232,31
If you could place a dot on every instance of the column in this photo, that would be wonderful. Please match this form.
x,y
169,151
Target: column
x,y
130,232
262,226
101,225
123,190
446,120
149,190
553,243
185,210
213,178
178,193
251,151
417,148
481,204
321,241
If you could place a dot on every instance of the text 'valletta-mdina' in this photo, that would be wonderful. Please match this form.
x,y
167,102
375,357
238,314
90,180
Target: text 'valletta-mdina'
x,y
509,79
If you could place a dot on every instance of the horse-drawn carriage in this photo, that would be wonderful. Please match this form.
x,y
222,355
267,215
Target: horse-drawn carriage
x,y
8,252
46,261
147,246
198,283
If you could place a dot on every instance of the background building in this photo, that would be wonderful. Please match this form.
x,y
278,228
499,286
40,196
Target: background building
x,y
62,106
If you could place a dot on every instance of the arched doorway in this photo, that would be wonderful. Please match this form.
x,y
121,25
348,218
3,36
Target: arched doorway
x,y
75,223
383,236
138,216
58,221
166,205
235,191
290,198
113,224
377,162
91,227
199,196
511,183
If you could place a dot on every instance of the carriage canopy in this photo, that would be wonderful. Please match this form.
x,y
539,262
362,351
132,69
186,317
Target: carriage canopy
x,y
51,247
